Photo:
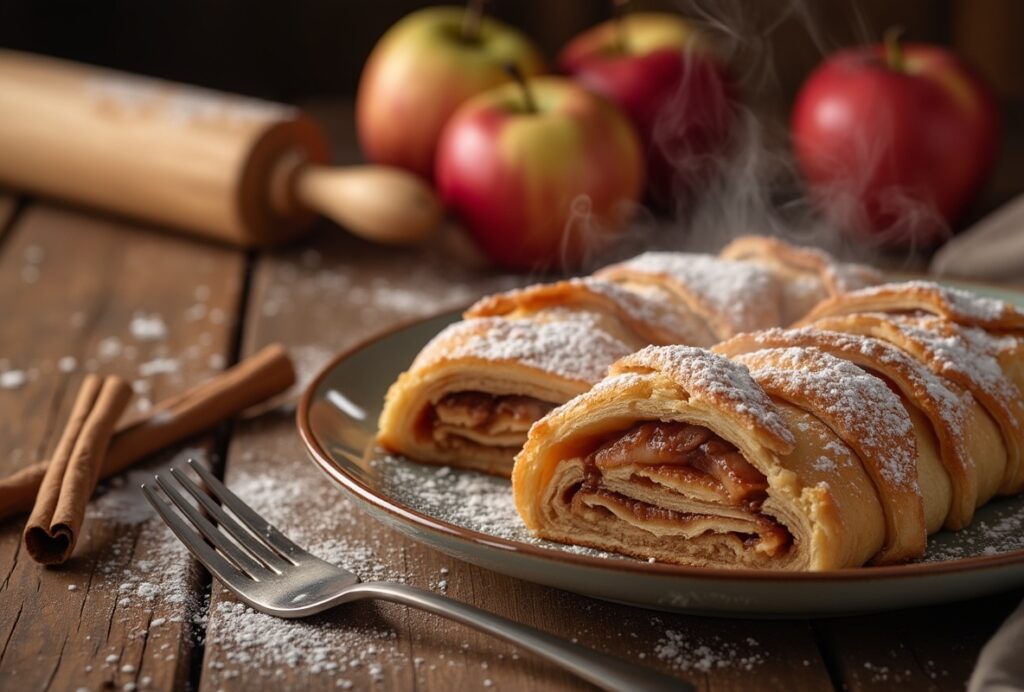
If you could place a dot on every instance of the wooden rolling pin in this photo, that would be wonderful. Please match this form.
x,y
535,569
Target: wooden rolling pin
x,y
236,169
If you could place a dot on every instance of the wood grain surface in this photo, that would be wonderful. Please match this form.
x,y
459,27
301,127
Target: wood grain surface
x,y
121,611
81,293
8,206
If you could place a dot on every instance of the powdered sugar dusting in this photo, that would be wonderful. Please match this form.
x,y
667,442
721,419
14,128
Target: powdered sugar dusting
x,y
744,294
572,345
866,413
648,304
995,345
707,375
958,304
997,528
966,359
927,388
332,648
148,327
685,652
13,379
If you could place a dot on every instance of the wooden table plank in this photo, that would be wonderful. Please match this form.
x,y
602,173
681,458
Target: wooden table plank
x,y
8,205
321,299
930,648
77,294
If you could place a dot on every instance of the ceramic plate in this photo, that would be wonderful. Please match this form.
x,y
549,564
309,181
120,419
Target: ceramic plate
x,y
471,516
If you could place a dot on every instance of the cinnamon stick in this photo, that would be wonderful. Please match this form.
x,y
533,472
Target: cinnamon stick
x,y
248,383
67,485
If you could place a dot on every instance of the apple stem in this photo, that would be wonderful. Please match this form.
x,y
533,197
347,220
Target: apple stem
x,y
513,71
619,17
471,20
894,48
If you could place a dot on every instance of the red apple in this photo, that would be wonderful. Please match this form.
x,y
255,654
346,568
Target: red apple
x,y
895,141
660,71
421,70
540,177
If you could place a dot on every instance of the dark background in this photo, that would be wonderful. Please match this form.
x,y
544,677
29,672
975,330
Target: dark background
x,y
311,50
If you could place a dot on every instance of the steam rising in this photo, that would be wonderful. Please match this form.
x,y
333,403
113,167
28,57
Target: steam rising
x,y
754,186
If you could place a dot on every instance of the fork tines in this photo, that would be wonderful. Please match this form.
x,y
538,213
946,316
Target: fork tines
x,y
242,545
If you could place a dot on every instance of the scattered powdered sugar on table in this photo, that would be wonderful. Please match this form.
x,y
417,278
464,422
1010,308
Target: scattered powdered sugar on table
x,y
269,646
162,574
685,652
316,287
138,571
159,366
13,379
148,327
309,510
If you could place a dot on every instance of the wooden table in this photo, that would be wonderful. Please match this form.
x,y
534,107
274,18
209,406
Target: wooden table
x,y
81,292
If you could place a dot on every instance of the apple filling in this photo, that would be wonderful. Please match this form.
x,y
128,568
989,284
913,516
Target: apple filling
x,y
672,478
485,419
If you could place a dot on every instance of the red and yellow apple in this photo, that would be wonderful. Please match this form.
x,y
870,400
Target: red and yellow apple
x,y
540,177
421,70
895,141
666,77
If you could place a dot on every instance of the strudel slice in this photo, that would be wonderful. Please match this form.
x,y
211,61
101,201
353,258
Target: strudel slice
x,y
682,456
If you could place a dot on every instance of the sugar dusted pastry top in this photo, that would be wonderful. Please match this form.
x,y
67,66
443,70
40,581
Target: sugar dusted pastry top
x,y
859,406
928,387
957,305
648,310
730,296
722,382
570,346
518,353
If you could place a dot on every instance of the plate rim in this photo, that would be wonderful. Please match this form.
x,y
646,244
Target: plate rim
x,y
477,539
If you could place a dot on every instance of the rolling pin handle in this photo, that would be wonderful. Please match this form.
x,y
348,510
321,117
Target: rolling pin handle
x,y
380,203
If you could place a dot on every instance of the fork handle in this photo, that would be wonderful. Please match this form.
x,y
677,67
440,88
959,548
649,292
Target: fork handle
x,y
607,672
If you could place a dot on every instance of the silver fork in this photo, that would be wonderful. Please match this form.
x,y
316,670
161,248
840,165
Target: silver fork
x,y
275,576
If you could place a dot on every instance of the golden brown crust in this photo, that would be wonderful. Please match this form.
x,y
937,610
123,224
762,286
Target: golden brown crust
x,y
550,358
836,277
835,521
868,418
651,314
951,303
730,297
946,410
718,383
655,298
942,348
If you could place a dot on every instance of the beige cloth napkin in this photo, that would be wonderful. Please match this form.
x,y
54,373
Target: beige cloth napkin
x,y
1000,667
993,248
